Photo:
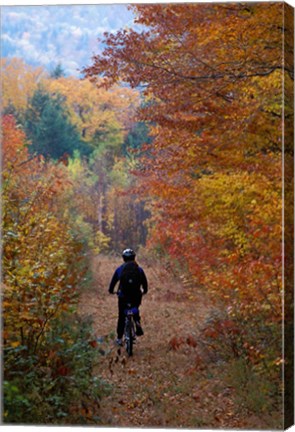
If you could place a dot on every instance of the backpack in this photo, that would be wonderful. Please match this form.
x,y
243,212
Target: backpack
x,y
130,280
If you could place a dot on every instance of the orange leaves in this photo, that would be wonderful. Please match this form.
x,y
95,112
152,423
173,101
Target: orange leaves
x,y
13,143
212,77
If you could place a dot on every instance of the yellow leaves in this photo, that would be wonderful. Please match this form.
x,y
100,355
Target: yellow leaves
x,y
101,242
232,201
26,316
41,263
15,344
18,82
96,110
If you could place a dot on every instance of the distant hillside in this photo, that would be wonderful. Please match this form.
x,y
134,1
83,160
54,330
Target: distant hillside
x,y
66,35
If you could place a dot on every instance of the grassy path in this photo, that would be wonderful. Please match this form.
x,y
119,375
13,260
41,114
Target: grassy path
x,y
165,383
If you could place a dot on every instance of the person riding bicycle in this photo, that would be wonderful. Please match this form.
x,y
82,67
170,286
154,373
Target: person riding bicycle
x,y
133,284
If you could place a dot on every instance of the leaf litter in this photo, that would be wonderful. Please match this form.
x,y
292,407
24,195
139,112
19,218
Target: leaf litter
x,y
168,382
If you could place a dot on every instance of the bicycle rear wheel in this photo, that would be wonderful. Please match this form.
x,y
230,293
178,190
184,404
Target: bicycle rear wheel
x,y
129,339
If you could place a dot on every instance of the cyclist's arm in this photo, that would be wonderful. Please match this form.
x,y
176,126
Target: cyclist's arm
x,y
144,282
114,280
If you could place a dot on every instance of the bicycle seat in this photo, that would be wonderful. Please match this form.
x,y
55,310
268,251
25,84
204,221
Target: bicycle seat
x,y
131,310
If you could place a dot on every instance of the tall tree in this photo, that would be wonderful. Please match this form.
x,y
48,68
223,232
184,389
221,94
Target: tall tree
x,y
48,127
19,82
57,72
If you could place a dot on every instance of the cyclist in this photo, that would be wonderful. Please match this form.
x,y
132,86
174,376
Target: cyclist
x,y
139,286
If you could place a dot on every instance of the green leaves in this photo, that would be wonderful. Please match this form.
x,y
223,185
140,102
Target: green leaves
x,y
58,384
48,127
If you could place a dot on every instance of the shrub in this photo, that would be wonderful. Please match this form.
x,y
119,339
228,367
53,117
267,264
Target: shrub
x,y
56,386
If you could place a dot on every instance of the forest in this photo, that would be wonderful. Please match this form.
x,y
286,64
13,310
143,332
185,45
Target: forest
x,y
176,142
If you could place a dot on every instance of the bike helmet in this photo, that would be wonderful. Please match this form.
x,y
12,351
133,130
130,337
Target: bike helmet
x,y
128,255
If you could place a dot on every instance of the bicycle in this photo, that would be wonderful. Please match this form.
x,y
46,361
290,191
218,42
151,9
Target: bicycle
x,y
129,329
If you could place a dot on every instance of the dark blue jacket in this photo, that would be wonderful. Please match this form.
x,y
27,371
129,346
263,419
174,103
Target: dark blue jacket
x,y
117,275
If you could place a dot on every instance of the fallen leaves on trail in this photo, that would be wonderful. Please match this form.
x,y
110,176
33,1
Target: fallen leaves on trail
x,y
169,381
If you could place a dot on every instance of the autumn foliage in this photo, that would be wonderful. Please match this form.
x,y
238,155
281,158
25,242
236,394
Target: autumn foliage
x,y
212,77
62,177
19,81
43,267
185,158
35,240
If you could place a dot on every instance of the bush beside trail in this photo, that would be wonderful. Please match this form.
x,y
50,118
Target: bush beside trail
x,y
57,385
48,361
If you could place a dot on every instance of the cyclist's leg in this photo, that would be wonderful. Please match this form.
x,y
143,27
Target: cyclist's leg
x,y
137,316
137,303
139,331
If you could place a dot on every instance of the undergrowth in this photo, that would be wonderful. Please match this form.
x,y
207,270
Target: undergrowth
x,y
246,356
57,385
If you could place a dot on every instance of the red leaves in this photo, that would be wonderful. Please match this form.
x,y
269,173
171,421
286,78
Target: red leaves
x,y
213,173
177,342
63,370
93,343
211,333
191,341
229,327
221,327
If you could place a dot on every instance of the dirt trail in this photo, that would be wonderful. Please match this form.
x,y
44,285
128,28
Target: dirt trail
x,y
160,385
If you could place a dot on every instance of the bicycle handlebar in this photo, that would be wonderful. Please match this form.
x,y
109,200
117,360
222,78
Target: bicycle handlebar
x,y
118,292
